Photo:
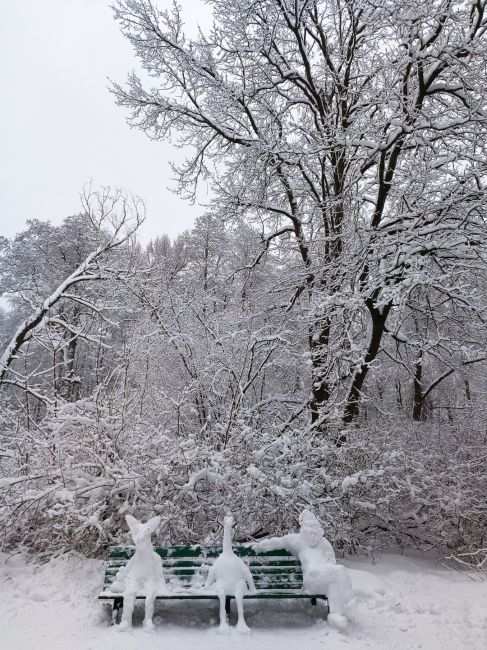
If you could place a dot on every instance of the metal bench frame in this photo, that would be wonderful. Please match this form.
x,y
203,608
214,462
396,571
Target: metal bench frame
x,y
277,574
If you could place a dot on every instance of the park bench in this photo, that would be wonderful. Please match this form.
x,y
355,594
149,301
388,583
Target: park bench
x,y
276,574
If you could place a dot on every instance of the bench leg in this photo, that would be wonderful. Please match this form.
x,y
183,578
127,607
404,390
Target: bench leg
x,y
327,607
223,602
117,610
314,601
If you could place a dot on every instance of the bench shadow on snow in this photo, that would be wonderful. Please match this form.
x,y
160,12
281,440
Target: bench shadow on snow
x,y
259,614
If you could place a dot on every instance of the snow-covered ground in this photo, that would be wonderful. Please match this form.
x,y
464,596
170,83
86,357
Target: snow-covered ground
x,y
403,603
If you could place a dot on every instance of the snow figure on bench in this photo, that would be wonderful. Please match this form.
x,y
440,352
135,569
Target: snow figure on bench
x,y
321,574
231,577
142,575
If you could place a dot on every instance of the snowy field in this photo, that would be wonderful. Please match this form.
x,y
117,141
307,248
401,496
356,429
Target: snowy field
x,y
403,603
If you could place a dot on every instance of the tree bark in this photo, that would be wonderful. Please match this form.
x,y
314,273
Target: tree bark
x,y
379,318
418,413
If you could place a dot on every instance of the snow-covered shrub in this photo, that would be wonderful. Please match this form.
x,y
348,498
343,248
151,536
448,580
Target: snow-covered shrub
x,y
70,484
416,485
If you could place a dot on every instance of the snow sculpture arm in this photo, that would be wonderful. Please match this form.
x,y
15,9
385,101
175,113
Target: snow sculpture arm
x,y
249,580
274,543
211,577
328,552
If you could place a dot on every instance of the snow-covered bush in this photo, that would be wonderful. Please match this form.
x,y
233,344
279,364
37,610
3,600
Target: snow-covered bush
x,y
70,484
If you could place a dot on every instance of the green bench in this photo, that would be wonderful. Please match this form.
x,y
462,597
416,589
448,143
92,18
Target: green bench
x,y
276,574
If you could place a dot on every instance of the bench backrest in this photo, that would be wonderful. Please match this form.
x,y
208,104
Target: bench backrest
x,y
187,566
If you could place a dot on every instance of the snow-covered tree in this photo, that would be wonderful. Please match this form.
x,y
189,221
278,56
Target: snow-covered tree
x,y
352,132
42,271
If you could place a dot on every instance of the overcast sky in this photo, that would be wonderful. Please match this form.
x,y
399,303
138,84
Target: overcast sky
x,y
59,125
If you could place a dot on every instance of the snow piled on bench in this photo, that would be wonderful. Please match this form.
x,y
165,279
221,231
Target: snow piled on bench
x,y
403,603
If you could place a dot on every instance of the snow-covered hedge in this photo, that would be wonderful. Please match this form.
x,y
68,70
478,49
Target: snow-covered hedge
x,y
70,484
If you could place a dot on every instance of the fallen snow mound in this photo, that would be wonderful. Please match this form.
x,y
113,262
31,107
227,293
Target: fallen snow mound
x,y
402,603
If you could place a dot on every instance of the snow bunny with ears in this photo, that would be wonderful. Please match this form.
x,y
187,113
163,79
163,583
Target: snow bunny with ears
x,y
142,574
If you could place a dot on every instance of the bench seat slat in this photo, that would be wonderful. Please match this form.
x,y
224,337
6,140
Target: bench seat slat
x,y
258,579
175,552
259,582
269,593
256,571
181,590
208,561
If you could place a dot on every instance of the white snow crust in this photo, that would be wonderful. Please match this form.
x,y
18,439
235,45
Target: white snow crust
x,y
403,602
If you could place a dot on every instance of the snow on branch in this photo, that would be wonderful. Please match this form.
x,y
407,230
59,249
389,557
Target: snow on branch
x,y
116,217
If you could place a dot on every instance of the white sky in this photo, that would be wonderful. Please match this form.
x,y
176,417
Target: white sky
x,y
59,125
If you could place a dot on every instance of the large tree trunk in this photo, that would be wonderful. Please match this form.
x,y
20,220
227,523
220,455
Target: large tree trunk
x,y
379,317
320,389
418,413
